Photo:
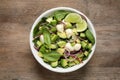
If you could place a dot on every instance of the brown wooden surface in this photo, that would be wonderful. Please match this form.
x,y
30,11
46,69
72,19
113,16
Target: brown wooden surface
x,y
16,60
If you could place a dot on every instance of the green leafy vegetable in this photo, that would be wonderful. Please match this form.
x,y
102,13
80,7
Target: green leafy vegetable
x,y
59,15
46,35
42,49
51,43
36,30
90,36
52,56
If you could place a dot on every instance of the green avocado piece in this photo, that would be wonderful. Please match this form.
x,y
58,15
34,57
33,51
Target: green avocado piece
x,y
53,22
54,64
45,60
54,37
60,50
83,44
62,35
39,43
53,29
82,35
89,46
78,41
76,61
86,53
40,54
61,43
53,46
80,55
64,62
70,64
71,58
90,36
49,19
68,25
75,31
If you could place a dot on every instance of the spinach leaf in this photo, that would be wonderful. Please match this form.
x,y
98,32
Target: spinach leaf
x,y
35,41
59,15
36,29
42,49
52,56
46,35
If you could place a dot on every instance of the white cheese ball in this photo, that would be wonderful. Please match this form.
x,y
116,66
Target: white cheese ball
x,y
69,47
69,32
77,47
42,38
60,27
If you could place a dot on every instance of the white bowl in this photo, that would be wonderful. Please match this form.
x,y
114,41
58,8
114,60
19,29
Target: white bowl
x,y
59,69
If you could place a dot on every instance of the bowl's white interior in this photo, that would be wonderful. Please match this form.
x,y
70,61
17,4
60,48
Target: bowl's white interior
x,y
59,69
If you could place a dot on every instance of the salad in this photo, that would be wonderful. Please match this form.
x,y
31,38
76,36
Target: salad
x,y
63,39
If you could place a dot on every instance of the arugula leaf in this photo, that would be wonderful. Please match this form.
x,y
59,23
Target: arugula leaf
x,y
52,56
46,35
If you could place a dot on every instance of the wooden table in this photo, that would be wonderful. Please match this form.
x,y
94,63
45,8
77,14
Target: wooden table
x,y
16,60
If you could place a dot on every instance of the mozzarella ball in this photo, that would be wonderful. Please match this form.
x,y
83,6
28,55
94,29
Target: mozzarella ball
x,y
69,32
60,27
69,47
77,47
42,38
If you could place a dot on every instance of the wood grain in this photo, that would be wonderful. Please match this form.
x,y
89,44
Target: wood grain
x,y
16,60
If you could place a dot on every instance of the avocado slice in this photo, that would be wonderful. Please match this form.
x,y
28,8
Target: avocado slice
x,y
54,37
62,35
53,29
71,64
61,43
60,50
64,62
54,64
40,54
53,46
49,19
89,46
82,35
39,43
80,55
76,61
68,25
86,53
53,22
83,44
